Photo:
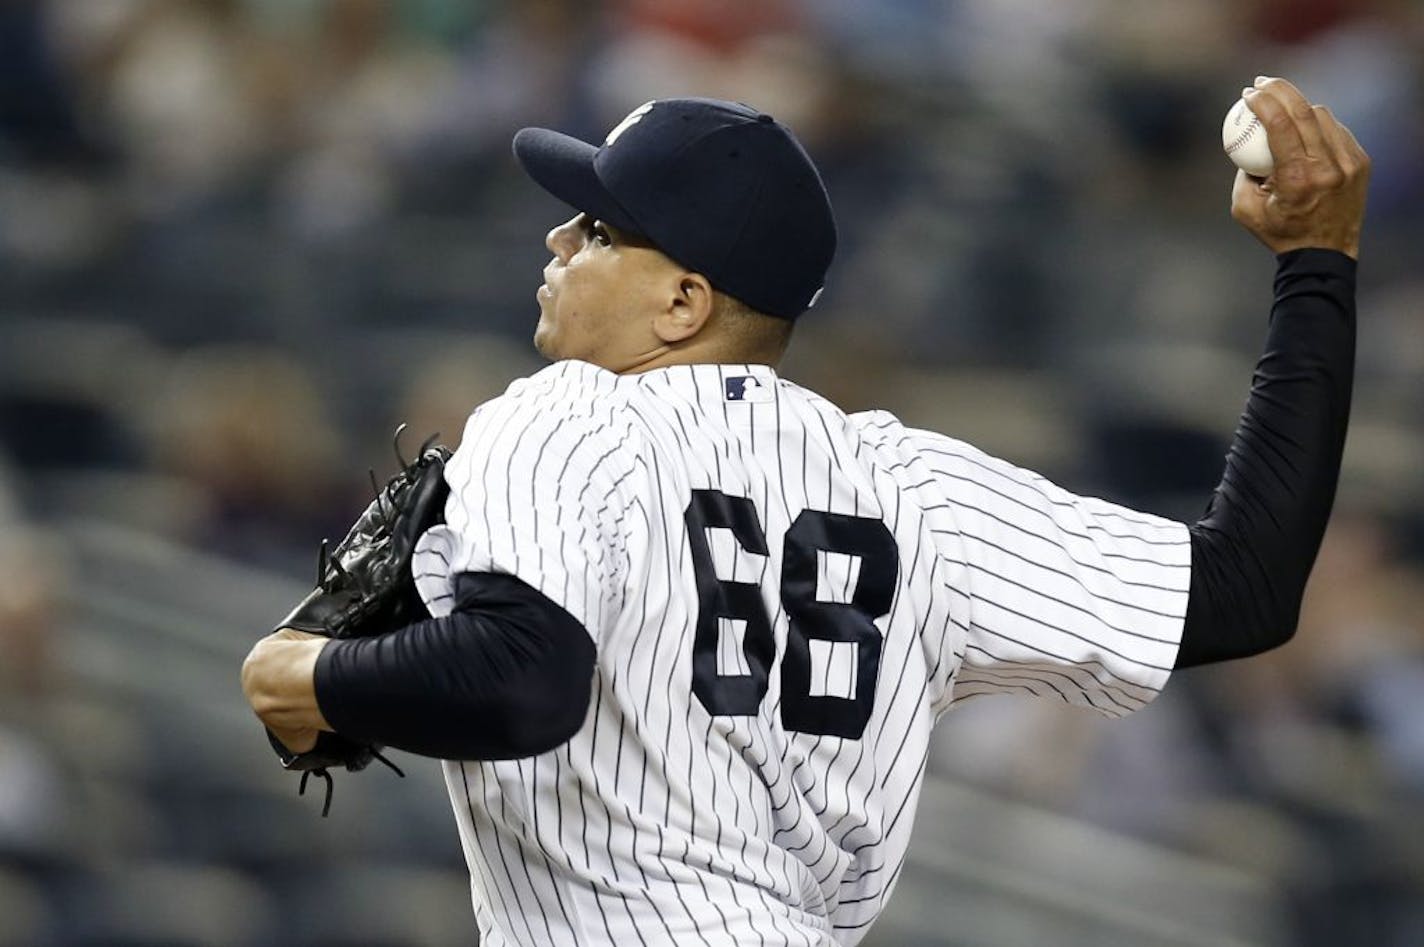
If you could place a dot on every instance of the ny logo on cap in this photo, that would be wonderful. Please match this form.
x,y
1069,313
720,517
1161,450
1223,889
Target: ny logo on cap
x,y
634,117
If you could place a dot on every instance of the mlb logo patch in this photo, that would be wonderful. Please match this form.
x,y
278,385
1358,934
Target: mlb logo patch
x,y
747,388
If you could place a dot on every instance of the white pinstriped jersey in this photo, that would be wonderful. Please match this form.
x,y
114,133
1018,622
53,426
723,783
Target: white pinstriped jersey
x,y
784,599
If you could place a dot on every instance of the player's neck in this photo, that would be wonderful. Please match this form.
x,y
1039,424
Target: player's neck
x,y
691,353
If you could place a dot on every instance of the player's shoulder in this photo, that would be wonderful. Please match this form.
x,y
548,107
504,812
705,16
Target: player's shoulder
x,y
884,432
568,382
888,434
876,424
567,389
566,403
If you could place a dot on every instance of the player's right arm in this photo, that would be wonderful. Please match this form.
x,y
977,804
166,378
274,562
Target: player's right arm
x,y
1069,575
1064,596
1058,595
1253,550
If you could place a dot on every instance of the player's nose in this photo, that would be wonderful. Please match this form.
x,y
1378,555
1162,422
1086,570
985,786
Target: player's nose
x,y
563,241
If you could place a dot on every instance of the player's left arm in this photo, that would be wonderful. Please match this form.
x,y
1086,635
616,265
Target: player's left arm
x,y
526,561
1253,550
504,668
505,675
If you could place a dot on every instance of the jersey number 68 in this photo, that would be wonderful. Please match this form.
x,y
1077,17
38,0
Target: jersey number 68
x,y
810,619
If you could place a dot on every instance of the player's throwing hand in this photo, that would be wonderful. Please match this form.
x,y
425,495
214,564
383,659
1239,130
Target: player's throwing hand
x,y
1315,197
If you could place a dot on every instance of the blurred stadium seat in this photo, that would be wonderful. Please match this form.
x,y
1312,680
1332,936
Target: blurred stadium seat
x,y
25,915
169,904
385,906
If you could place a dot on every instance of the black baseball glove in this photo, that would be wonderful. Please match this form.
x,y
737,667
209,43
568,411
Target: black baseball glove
x,y
364,588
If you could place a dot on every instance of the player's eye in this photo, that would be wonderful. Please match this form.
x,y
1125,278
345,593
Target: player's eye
x,y
601,235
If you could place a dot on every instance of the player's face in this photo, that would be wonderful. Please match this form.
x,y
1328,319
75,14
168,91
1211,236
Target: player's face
x,y
600,290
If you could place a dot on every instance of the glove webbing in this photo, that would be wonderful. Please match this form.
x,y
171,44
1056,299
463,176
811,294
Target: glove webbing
x,y
331,783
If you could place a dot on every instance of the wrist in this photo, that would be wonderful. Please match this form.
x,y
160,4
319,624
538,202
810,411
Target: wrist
x,y
278,678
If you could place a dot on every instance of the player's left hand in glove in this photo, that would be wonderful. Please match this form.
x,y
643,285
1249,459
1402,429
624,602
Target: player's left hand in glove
x,y
364,588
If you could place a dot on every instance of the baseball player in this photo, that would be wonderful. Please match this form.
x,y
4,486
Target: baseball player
x,y
693,625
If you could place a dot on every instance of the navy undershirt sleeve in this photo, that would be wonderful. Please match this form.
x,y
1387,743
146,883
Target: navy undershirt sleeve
x,y
506,675
1254,548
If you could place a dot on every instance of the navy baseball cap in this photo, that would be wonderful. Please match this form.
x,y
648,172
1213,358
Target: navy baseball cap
x,y
719,187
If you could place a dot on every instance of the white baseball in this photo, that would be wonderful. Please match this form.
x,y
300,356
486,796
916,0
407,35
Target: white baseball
x,y
1244,138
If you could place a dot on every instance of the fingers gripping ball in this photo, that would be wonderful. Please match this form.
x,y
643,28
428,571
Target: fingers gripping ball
x,y
1244,138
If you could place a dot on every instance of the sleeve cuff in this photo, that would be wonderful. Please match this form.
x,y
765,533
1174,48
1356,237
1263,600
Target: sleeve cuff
x,y
326,679
1315,261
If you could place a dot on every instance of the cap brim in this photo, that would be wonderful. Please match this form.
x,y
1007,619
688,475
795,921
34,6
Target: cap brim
x,y
563,166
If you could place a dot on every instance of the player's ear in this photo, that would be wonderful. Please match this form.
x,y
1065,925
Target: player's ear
x,y
688,307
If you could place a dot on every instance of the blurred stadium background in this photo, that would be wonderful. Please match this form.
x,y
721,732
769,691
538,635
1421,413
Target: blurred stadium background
x,y
241,239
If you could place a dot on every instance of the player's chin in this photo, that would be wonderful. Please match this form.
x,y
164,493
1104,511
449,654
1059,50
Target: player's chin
x,y
544,339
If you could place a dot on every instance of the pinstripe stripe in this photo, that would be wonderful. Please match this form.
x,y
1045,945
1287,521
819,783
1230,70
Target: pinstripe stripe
x,y
660,824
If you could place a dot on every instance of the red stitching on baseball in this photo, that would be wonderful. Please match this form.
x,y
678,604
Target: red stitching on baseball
x,y
1240,139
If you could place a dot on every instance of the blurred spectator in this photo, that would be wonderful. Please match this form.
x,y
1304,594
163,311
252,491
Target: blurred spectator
x,y
524,67
29,619
1326,733
448,385
30,573
182,90
31,787
744,51
248,425
39,121
367,96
